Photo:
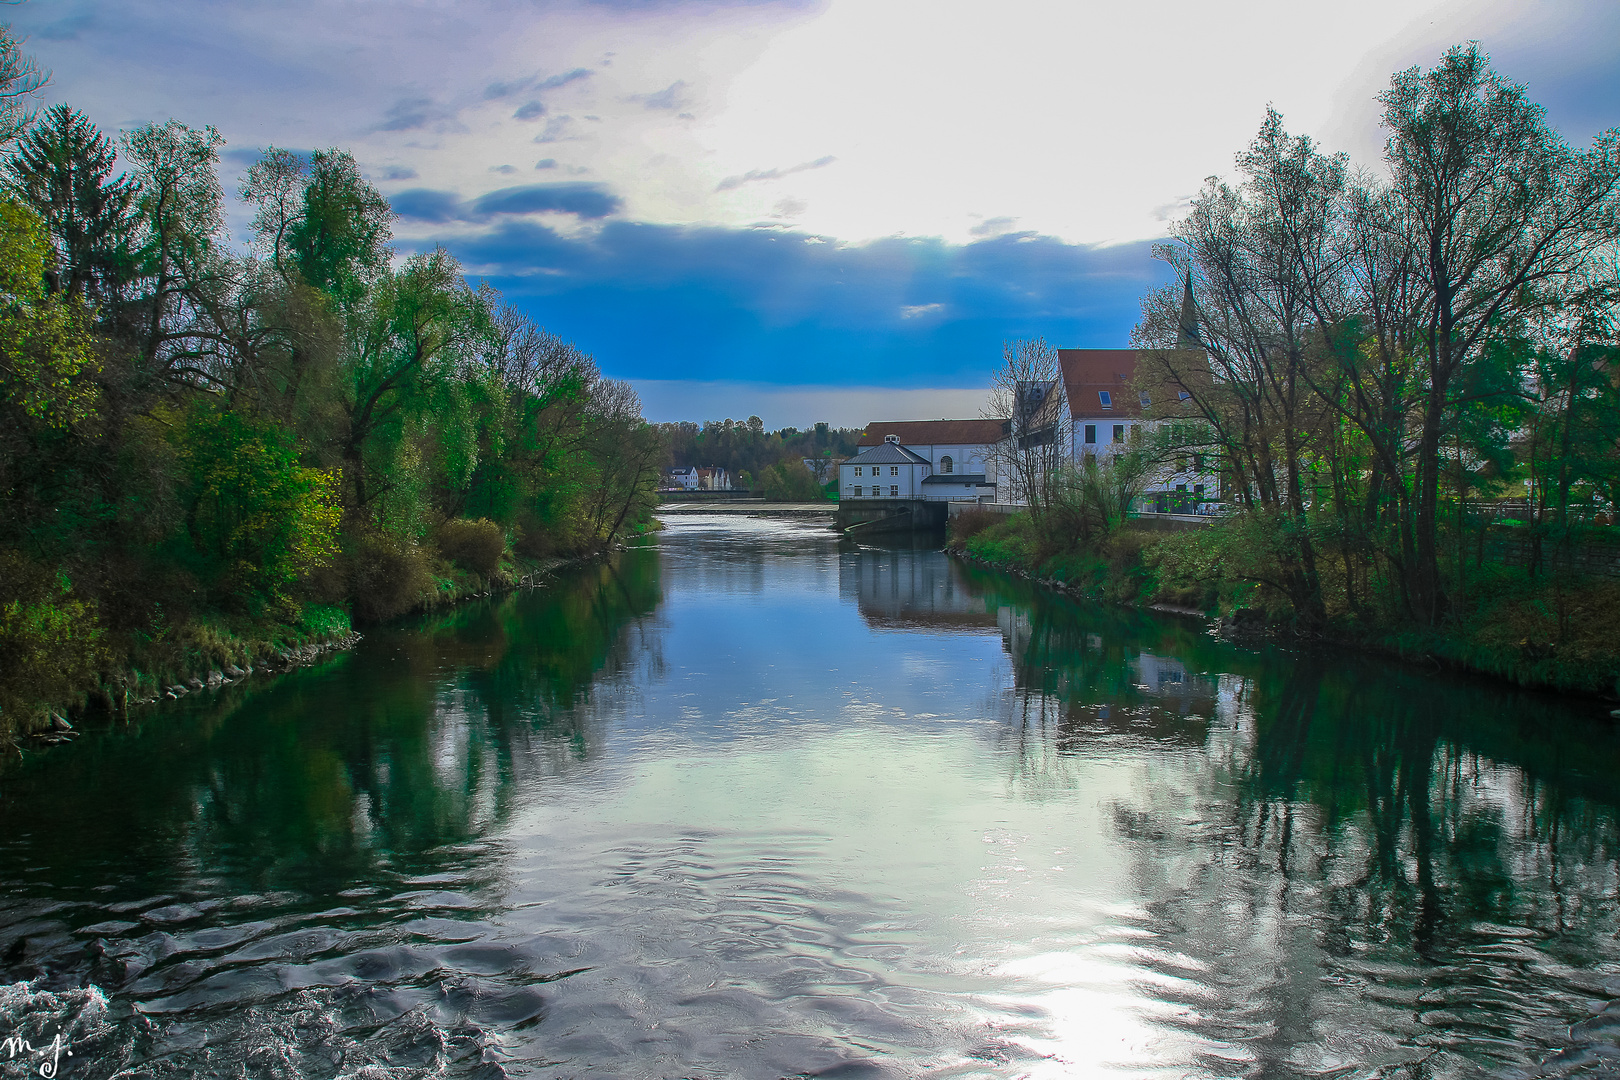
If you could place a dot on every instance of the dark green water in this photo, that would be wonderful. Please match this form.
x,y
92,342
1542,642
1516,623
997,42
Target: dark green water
x,y
750,804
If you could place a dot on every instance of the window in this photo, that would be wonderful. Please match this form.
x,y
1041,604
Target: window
x,y
1181,488
1091,433
857,491
857,473
1107,402
1198,463
894,491
1184,396
1119,433
1198,490
894,470
946,464
1144,399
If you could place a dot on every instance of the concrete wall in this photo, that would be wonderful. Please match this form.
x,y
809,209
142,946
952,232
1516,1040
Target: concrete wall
x,y
891,515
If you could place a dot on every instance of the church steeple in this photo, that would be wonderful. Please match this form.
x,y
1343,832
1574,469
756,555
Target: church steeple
x,y
1187,335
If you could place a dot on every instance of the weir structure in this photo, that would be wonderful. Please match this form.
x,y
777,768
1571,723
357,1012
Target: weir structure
x,y
869,517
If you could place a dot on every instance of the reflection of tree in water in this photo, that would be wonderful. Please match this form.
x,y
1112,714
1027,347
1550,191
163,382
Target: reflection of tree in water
x,y
384,760
1362,866
1084,673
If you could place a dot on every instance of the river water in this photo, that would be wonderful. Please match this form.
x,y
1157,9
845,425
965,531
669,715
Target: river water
x,y
752,803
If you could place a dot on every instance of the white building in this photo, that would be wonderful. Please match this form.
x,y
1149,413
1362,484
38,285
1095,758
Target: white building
x,y
1107,411
960,464
885,471
692,478
683,479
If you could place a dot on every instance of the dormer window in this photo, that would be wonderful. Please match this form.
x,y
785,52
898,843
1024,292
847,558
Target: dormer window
x,y
1143,397
1106,399
1184,396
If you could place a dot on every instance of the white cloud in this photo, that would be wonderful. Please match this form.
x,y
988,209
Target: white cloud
x,y
1088,120
917,311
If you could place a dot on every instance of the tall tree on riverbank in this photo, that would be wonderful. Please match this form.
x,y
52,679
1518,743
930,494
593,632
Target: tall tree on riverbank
x,y
1365,331
1502,211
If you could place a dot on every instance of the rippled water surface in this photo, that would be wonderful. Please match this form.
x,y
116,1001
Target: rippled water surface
x,y
748,803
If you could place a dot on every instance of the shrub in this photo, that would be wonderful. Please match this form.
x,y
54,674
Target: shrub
x,y
388,576
475,546
51,644
965,526
1008,542
789,481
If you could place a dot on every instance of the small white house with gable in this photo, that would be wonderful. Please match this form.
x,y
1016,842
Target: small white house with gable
x,y
957,452
885,471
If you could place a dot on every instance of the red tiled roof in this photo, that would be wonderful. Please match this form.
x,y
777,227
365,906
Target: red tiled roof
x,y
1086,372
933,432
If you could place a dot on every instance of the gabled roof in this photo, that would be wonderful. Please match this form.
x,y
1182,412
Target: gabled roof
x,y
887,454
934,432
1088,373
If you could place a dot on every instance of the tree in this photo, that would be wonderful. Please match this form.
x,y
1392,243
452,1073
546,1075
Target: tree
x,y
62,168
340,240
47,359
1028,389
1498,209
179,227
20,77
413,318
257,517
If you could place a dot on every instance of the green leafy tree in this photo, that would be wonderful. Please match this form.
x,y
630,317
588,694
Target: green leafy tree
x,y
259,520
414,323
1499,208
340,240
47,361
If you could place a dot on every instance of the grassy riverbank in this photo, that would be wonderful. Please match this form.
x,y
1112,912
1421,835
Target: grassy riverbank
x,y
66,660
1558,631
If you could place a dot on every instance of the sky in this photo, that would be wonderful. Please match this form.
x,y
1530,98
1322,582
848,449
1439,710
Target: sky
x,y
805,210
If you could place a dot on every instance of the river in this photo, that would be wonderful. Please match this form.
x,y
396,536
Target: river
x,y
751,802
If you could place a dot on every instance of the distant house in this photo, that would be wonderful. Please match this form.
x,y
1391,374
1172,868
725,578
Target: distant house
x,y
692,478
715,479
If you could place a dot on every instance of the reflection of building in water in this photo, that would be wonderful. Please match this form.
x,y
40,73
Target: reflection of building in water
x,y
1168,678
911,589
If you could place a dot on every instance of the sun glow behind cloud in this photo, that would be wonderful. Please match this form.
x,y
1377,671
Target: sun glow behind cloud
x,y
612,164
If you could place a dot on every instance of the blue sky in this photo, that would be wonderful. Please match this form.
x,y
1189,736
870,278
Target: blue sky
x,y
807,209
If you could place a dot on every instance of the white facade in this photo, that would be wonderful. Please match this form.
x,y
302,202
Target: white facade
x,y
887,471
692,478
685,479
957,453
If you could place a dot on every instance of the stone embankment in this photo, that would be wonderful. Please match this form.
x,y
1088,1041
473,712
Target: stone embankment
x,y
118,702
